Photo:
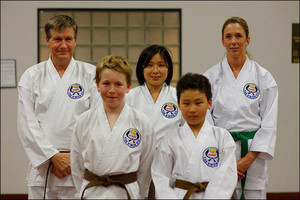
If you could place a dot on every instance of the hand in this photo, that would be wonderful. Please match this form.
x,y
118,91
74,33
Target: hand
x,y
240,175
244,163
61,165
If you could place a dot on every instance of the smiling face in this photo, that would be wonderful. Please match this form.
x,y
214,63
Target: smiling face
x,y
156,71
62,45
193,105
234,40
113,87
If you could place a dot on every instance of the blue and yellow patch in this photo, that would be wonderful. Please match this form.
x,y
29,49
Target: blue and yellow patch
x,y
169,110
132,137
211,156
75,91
251,90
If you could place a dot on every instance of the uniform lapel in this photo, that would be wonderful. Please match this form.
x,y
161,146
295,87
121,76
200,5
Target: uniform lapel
x,y
61,91
226,91
111,137
154,107
243,75
189,142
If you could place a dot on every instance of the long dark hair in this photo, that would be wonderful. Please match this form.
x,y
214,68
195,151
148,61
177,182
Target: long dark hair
x,y
146,57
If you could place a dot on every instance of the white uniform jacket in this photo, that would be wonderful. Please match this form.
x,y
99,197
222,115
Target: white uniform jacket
x,y
164,113
48,107
208,158
248,103
128,147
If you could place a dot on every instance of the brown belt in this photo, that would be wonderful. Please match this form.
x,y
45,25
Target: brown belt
x,y
105,180
190,187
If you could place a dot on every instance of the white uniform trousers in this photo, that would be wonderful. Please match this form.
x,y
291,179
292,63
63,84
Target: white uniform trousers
x,y
52,192
250,194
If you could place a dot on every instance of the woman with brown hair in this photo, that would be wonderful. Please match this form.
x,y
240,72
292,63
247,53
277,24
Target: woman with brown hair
x,y
245,102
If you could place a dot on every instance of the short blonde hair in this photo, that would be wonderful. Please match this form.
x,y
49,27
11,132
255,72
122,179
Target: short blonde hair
x,y
116,63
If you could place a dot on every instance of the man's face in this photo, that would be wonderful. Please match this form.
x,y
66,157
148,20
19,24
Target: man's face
x,y
62,45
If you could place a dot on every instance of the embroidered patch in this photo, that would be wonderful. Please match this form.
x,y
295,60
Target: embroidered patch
x,y
251,90
211,156
75,91
169,110
132,137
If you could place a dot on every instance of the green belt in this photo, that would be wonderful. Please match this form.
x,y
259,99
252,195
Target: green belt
x,y
244,137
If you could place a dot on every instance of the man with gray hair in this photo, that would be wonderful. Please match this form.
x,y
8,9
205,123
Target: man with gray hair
x,y
52,94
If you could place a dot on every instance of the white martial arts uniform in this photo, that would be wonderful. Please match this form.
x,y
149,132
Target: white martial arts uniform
x,y
208,158
110,152
247,103
48,108
164,113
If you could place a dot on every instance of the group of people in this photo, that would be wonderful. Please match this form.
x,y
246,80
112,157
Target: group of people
x,y
88,135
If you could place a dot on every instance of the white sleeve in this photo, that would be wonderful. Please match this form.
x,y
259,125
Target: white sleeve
x,y
36,146
161,169
265,138
144,171
223,182
77,163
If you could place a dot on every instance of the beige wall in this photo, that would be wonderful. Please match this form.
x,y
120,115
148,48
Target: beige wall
x,y
270,30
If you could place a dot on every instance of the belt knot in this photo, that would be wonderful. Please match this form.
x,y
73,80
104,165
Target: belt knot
x,y
190,187
200,187
106,180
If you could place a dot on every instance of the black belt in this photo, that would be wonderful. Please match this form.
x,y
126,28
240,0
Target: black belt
x,y
50,163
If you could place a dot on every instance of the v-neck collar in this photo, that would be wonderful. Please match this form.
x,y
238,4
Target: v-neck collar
x,y
160,97
229,74
105,125
54,73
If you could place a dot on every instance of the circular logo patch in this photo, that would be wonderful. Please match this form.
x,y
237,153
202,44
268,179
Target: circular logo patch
x,y
251,90
75,91
211,156
169,110
132,137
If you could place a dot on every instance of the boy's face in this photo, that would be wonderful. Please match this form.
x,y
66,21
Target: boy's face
x,y
113,87
193,105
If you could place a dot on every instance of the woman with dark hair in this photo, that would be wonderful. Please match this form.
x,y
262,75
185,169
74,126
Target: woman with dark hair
x,y
245,102
155,96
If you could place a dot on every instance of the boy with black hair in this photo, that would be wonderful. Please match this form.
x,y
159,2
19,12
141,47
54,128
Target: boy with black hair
x,y
198,160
